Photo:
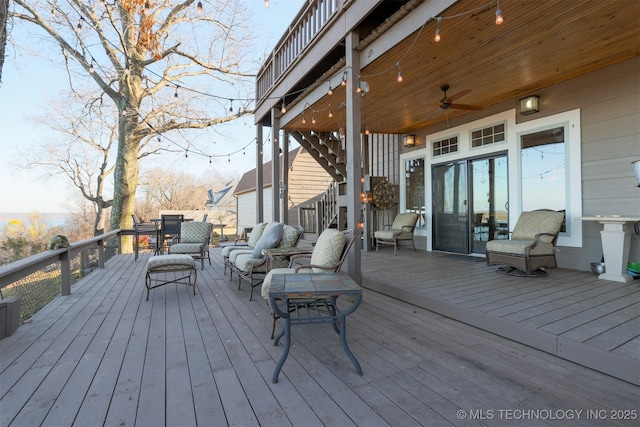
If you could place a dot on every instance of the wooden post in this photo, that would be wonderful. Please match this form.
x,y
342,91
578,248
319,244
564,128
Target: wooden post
x,y
354,155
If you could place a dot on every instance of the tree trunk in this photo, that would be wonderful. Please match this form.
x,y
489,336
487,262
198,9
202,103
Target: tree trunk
x,y
125,178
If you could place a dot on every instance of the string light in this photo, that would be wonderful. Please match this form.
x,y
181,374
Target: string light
x,y
231,107
186,153
91,68
199,8
499,17
159,138
313,117
147,8
126,71
266,4
229,158
209,159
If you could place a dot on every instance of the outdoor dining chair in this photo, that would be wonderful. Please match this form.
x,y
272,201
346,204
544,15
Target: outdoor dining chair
x,y
169,229
144,229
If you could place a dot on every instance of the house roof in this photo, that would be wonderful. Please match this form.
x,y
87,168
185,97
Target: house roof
x,y
248,181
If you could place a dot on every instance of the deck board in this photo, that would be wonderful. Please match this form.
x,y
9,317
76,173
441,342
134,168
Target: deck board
x,y
537,311
105,355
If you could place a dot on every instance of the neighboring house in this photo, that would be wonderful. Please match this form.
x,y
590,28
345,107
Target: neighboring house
x,y
308,181
220,209
491,120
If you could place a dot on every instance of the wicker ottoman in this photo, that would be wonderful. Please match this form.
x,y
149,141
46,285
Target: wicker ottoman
x,y
165,269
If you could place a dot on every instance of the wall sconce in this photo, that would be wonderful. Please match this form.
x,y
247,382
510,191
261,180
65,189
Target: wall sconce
x,y
636,168
530,105
409,140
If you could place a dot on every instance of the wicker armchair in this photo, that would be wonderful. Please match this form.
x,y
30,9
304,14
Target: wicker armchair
x,y
532,246
401,229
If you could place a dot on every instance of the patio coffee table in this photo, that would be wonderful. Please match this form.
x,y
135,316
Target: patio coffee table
x,y
308,298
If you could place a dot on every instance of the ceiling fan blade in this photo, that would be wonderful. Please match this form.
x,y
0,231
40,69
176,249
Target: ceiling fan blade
x,y
460,94
465,107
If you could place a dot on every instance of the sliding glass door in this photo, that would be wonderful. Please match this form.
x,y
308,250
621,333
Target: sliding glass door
x,y
470,202
450,210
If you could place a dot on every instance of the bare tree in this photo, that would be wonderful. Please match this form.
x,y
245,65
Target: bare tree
x,y
83,152
166,189
147,58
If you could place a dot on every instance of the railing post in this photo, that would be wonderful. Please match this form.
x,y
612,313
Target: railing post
x,y
65,272
101,254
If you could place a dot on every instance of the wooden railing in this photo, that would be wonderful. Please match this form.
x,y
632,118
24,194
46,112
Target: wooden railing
x,y
301,32
18,270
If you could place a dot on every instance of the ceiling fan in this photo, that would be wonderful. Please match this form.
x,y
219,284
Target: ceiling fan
x,y
447,101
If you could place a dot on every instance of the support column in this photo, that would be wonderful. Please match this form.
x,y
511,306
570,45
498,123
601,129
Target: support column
x,y
275,165
259,181
284,187
354,155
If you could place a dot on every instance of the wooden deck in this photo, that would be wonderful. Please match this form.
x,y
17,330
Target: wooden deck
x,y
105,356
568,313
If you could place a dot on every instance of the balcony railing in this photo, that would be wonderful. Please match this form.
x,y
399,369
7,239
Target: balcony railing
x,y
301,32
41,277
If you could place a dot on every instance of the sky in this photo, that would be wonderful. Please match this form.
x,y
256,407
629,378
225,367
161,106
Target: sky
x,y
28,81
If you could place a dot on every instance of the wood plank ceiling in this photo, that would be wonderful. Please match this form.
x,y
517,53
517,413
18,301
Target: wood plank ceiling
x,y
540,43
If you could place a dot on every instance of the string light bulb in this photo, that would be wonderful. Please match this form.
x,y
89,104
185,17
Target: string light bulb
x,y
199,8
79,27
231,107
228,158
283,109
330,111
313,118
101,3
147,8
266,4
91,68
126,71
344,79
304,121
499,17
175,95
209,159
330,91
437,37
399,78
159,138
186,153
